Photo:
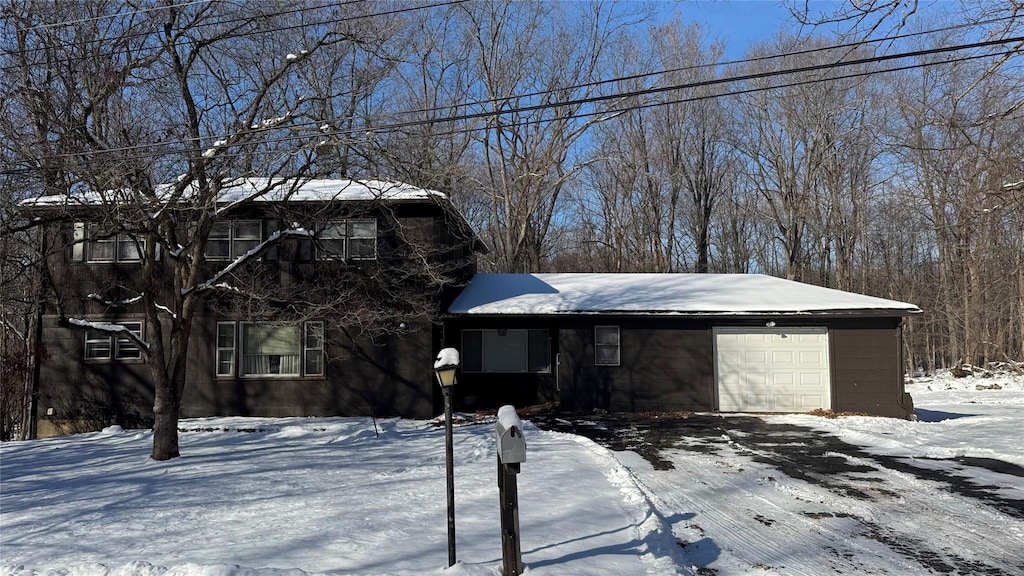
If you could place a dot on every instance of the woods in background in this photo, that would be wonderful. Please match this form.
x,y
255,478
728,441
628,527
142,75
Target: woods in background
x,y
595,137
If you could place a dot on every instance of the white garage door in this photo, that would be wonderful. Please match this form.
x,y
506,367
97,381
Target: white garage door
x,y
772,369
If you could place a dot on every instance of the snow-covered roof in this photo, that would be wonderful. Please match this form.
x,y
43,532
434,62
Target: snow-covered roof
x,y
274,190
670,294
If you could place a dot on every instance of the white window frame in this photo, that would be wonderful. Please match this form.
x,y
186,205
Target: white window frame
x,y
316,346
116,346
87,240
226,350
598,345
342,230
235,240
351,235
237,350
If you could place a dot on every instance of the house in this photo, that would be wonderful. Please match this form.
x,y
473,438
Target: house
x,y
668,342
379,270
372,263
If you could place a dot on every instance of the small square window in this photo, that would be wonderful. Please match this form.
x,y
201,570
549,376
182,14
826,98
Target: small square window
x,y
231,239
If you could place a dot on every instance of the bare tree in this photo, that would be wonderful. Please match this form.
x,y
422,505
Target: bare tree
x,y
198,95
534,63
957,144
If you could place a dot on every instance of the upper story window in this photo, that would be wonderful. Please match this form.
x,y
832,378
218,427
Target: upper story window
x,y
230,239
106,346
90,245
352,239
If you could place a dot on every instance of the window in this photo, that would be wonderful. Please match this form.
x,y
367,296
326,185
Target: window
x,y
314,349
90,245
105,346
225,348
506,350
230,239
606,345
270,349
348,240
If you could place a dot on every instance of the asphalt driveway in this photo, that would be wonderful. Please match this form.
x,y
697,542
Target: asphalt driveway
x,y
885,487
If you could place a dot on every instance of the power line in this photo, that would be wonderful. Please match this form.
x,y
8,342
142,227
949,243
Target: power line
x,y
395,126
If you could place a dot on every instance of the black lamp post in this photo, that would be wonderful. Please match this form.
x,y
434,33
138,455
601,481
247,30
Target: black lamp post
x,y
444,368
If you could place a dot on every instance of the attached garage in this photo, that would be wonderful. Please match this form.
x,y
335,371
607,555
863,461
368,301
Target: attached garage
x,y
772,369
671,342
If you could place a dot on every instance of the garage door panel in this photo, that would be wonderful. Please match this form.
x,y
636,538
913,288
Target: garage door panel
x,y
811,380
772,369
785,402
783,379
783,358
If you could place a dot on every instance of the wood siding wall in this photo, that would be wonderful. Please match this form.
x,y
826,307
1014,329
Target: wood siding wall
x,y
666,365
866,372
385,376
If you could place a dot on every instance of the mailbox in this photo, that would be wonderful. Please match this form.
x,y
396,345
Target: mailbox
x,y
511,442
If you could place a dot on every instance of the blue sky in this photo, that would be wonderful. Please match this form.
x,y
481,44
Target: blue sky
x,y
739,22
743,22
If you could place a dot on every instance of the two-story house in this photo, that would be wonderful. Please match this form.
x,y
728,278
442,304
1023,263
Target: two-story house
x,y
322,299
333,296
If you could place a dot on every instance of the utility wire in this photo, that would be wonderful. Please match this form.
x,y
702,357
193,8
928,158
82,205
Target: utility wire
x,y
451,119
455,2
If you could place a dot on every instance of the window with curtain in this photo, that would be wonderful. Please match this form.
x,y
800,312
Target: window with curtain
x,y
90,245
271,350
266,349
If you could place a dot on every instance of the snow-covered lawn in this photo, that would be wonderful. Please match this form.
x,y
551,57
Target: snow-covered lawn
x,y
284,497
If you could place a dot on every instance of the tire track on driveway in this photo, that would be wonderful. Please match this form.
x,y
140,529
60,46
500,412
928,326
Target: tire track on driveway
x,y
748,496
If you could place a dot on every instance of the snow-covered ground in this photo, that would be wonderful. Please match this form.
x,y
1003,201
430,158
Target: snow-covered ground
x,y
286,497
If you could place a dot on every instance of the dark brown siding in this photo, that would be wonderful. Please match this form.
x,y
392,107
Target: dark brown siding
x,y
76,396
384,376
665,366
387,376
866,372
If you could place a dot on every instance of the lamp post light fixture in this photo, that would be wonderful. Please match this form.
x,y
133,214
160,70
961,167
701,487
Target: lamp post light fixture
x,y
444,368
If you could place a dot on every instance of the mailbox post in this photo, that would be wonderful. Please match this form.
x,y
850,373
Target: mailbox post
x,y
444,369
511,453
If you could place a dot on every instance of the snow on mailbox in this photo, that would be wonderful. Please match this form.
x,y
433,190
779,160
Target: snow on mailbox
x,y
511,442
